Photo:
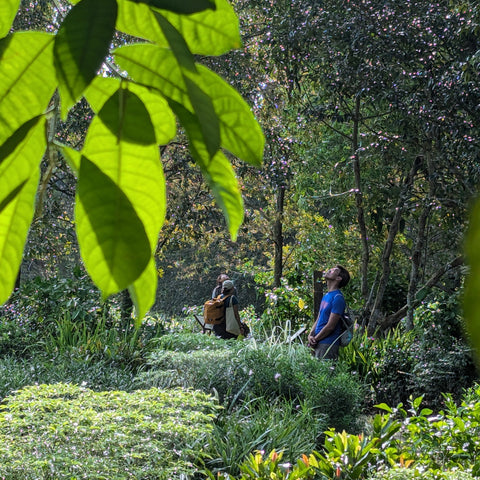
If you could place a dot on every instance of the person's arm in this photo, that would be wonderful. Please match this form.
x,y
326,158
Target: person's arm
x,y
329,328
311,336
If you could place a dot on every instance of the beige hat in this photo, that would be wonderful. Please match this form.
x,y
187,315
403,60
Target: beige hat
x,y
227,285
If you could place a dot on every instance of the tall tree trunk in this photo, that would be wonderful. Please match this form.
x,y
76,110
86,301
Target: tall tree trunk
x,y
278,236
417,255
392,320
359,203
376,315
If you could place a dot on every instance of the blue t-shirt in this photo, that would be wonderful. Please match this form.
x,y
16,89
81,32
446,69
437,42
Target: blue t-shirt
x,y
332,302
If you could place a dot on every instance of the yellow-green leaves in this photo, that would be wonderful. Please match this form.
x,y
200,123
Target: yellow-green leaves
x,y
121,144
15,218
472,285
210,32
81,46
121,194
185,6
27,79
8,9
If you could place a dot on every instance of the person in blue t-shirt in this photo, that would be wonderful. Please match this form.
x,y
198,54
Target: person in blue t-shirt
x,y
324,334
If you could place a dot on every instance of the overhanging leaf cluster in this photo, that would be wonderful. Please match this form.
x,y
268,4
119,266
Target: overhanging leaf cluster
x,y
120,197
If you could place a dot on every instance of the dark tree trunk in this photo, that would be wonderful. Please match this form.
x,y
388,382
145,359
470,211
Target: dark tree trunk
x,y
278,237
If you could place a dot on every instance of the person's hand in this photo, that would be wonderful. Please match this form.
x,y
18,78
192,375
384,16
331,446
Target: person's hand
x,y
312,341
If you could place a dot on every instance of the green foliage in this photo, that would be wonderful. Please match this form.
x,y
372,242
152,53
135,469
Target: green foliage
x,y
285,305
401,444
60,315
95,372
430,360
446,441
411,474
262,424
117,223
240,370
63,431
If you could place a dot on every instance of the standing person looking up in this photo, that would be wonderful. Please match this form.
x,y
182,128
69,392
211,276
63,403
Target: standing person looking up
x,y
218,288
231,326
324,335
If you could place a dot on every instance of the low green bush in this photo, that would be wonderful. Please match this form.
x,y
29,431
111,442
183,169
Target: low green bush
x,y
240,370
63,432
96,373
412,474
262,424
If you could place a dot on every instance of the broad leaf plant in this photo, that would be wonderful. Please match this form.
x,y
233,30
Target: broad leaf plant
x,y
120,199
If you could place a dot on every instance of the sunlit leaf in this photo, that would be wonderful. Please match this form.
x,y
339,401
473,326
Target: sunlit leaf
x,y
15,221
155,67
143,291
27,79
20,156
472,284
218,173
134,167
81,45
177,44
240,132
8,10
112,239
162,117
183,6
211,32
158,68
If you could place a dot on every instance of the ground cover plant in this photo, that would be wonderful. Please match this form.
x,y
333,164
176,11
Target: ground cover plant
x,y
236,370
63,431
403,443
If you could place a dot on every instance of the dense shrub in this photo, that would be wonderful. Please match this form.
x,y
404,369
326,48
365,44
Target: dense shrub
x,y
63,432
411,474
430,360
262,424
96,373
240,370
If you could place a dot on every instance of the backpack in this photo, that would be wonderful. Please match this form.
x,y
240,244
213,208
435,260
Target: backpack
x,y
214,310
346,328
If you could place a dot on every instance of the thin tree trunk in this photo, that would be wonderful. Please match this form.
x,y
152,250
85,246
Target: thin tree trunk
x,y
376,315
278,237
416,264
392,320
359,203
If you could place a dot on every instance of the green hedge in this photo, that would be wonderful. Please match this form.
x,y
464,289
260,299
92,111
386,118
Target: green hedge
x,y
240,370
412,474
68,432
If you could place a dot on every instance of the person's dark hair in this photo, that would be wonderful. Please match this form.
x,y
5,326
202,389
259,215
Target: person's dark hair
x,y
345,276
221,278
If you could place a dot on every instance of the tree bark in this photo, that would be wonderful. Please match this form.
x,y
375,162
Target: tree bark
x,y
278,237
394,319
376,314
359,203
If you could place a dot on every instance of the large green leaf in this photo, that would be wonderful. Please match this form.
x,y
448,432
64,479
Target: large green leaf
x,y
218,173
211,32
8,10
183,6
472,285
240,132
158,68
134,167
144,290
112,239
15,221
162,117
81,45
27,79
20,156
